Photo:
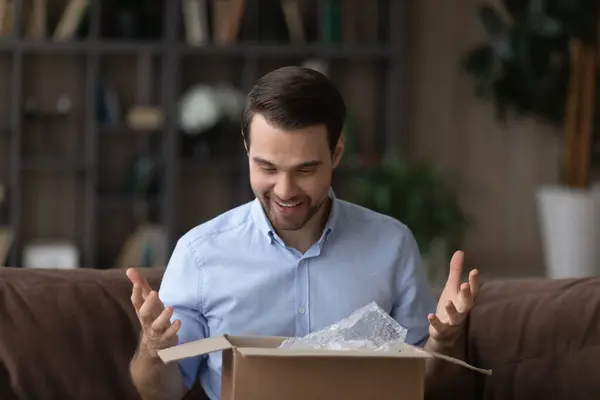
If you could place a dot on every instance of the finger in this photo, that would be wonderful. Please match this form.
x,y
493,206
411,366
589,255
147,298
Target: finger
x,y
474,282
136,277
454,317
151,309
136,297
436,323
455,273
163,321
466,298
172,330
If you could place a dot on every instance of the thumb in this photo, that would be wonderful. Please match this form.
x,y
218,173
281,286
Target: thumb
x,y
136,277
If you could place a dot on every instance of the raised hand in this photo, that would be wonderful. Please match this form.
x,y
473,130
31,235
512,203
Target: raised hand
x,y
157,330
455,303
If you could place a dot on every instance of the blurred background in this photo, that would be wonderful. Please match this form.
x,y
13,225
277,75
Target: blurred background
x,y
472,122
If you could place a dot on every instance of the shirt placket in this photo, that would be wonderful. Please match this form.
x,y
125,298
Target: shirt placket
x,y
302,309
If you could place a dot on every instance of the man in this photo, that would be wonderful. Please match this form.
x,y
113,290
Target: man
x,y
295,259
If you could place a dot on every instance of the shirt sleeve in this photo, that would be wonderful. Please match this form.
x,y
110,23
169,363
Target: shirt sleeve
x,y
180,289
415,298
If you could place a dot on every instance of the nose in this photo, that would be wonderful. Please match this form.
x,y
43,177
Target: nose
x,y
285,187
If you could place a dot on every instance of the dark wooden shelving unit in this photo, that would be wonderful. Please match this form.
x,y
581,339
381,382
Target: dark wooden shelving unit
x,y
99,215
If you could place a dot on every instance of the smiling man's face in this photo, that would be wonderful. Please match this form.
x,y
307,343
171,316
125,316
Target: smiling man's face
x,y
290,171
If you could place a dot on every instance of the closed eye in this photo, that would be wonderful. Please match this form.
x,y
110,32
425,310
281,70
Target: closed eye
x,y
268,169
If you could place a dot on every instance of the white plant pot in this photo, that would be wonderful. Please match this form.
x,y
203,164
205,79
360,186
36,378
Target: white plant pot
x,y
570,230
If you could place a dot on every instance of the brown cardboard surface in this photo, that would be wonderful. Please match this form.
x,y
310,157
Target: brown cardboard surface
x,y
323,378
254,367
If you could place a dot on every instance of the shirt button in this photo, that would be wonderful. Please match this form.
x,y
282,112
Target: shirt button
x,y
301,310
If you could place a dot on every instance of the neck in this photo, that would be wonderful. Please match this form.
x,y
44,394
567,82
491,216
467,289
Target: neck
x,y
302,239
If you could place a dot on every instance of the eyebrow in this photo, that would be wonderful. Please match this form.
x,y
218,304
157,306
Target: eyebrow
x,y
307,164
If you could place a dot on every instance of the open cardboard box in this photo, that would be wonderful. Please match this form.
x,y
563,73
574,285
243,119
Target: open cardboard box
x,y
254,368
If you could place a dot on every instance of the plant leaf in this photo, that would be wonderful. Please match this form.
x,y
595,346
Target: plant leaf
x,y
516,8
547,26
491,21
479,61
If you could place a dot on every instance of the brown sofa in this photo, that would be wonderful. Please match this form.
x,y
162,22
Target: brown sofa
x,y
69,335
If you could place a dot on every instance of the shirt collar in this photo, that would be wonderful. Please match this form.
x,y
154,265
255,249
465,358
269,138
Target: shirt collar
x,y
264,225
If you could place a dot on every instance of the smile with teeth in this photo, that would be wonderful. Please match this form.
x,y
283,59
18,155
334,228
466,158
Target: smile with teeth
x,y
288,205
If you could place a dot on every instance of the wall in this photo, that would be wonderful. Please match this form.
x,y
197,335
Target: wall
x,y
499,167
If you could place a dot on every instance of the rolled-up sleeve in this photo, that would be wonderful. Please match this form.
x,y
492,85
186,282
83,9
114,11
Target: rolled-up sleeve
x,y
414,299
180,289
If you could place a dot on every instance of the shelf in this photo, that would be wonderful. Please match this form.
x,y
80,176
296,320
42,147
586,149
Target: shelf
x,y
124,131
98,159
113,201
84,47
288,50
222,164
53,164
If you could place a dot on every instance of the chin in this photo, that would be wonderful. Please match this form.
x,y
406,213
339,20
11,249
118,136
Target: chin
x,y
288,226
281,224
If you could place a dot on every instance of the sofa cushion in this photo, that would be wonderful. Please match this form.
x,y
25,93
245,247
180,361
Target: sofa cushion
x,y
540,337
67,334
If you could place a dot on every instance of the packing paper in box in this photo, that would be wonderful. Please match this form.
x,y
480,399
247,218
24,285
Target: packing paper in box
x,y
368,328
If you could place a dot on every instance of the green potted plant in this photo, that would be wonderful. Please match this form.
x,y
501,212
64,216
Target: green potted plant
x,y
419,196
539,61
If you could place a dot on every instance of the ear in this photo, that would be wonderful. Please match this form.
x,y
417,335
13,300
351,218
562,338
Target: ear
x,y
338,151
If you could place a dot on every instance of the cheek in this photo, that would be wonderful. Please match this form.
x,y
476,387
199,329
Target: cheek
x,y
315,186
260,182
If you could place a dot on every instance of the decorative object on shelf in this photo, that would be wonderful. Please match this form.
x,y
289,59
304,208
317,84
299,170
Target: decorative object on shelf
x,y
146,247
7,17
132,19
195,21
108,105
294,20
62,108
143,179
63,104
208,113
38,20
422,198
332,21
199,110
72,18
51,254
540,62
263,22
227,18
145,118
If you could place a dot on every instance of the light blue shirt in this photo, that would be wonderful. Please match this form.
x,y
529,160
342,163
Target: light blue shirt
x,y
234,275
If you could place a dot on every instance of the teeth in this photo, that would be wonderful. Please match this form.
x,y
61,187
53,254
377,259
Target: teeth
x,y
288,205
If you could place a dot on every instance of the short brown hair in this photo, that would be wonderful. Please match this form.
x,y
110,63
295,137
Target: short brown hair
x,y
293,98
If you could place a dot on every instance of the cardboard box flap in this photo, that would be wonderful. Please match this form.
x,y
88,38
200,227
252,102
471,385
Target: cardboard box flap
x,y
195,348
255,341
460,362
